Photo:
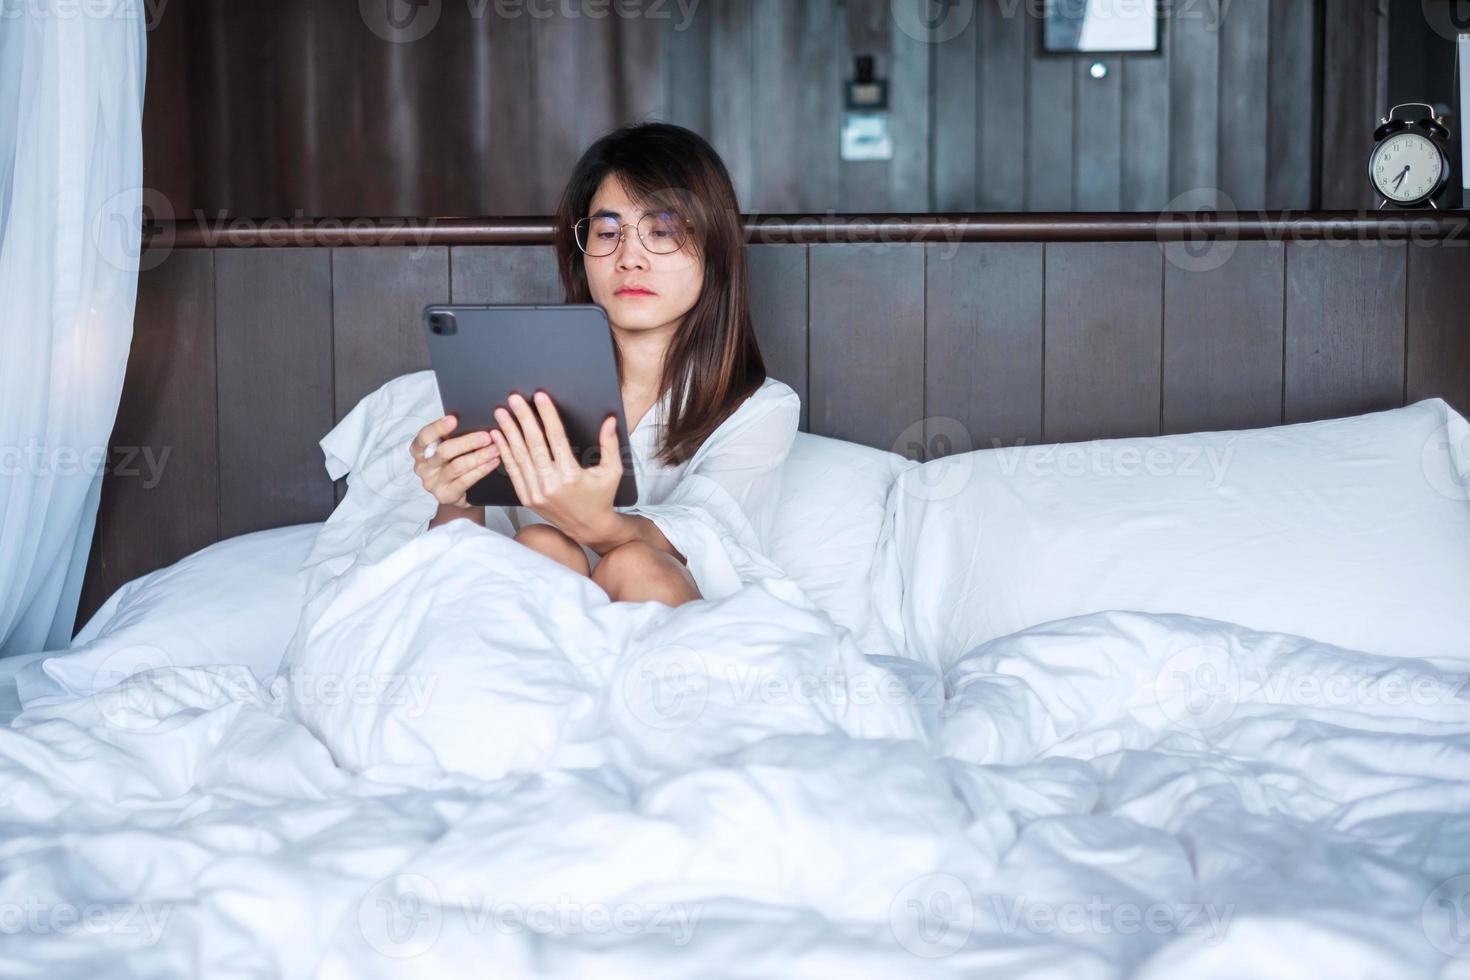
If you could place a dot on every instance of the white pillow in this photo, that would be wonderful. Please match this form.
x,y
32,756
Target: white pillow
x,y
825,535
1353,531
234,602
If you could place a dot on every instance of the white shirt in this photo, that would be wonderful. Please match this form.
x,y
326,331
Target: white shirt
x,y
717,507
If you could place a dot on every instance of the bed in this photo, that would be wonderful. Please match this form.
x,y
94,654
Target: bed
x,y
1157,701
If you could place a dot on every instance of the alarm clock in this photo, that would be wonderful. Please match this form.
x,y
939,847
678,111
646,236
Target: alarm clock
x,y
1409,166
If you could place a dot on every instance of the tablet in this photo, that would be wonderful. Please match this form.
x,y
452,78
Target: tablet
x,y
481,354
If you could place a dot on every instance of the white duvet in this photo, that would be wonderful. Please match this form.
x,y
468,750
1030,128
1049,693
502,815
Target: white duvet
x,y
476,765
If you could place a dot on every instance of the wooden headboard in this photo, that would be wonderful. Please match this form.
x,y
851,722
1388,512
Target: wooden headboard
x,y
920,333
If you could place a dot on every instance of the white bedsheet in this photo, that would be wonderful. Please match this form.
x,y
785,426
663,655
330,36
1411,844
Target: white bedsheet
x,y
478,766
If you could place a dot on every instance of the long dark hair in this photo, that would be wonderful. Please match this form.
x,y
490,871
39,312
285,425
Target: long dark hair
x,y
713,362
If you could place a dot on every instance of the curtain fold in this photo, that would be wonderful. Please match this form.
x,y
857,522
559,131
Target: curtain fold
x,y
71,193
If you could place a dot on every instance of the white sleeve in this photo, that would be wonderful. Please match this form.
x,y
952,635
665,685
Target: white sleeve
x,y
720,514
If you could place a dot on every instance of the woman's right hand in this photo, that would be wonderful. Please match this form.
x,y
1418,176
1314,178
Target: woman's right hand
x,y
455,464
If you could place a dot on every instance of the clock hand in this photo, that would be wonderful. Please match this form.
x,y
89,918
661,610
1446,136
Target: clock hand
x,y
1402,175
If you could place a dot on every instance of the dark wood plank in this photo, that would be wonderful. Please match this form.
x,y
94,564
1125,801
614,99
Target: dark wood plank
x,y
1104,325
637,77
957,111
778,136
1344,328
1291,171
1146,133
867,341
778,301
378,296
1098,173
863,184
1194,108
902,183
983,344
732,92
504,274
1003,55
1223,328
1354,96
274,338
686,77
820,98
160,495
908,114
1049,125
567,52
1438,332
1245,102
502,89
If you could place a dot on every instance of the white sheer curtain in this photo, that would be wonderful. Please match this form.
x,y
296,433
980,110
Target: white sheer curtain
x,y
71,176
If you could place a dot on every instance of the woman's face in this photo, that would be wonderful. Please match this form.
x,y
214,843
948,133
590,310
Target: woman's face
x,y
640,289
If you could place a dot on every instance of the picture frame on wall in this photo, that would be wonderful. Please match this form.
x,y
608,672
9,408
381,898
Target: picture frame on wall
x,y
1101,27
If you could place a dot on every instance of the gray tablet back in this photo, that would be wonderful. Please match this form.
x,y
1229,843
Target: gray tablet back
x,y
483,353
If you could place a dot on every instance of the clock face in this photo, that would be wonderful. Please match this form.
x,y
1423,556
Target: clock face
x,y
1407,167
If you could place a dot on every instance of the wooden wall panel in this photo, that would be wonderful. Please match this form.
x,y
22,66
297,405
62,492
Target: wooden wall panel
x,y
1295,60
1050,153
1004,56
1345,307
902,183
502,88
1194,99
378,296
1223,330
686,76
1244,102
778,294
957,101
1104,326
273,319
983,341
504,274
160,497
1097,177
299,105
1439,324
866,365
1146,132
1355,95
732,92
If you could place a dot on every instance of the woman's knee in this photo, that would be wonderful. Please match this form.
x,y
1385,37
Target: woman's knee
x,y
555,544
639,572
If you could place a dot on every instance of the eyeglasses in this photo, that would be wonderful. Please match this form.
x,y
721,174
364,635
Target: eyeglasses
x,y
661,232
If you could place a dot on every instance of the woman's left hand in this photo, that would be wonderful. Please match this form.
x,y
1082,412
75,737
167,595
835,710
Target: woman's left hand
x,y
546,474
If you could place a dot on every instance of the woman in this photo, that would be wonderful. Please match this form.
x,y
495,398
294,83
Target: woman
x,y
648,229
